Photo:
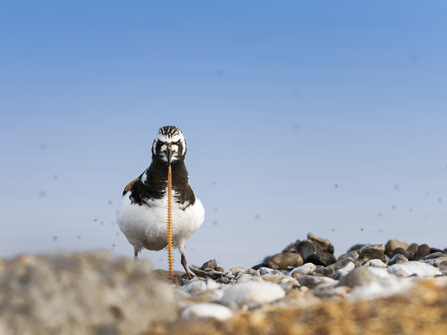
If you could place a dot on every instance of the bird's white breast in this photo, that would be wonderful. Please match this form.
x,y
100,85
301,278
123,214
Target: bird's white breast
x,y
146,226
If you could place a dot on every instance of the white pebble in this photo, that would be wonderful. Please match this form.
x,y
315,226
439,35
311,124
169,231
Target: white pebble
x,y
410,268
382,285
253,293
375,263
200,286
306,269
207,310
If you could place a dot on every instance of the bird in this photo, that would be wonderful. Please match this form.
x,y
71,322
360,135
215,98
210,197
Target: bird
x,y
142,213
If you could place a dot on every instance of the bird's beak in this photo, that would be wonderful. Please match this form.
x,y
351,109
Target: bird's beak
x,y
169,155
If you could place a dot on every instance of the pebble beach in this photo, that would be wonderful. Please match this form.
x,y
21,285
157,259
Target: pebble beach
x,y
390,288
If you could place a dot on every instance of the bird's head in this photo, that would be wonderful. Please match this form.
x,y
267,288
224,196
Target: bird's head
x,y
169,145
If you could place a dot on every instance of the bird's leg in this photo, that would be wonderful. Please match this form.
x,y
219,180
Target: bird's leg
x,y
136,256
185,266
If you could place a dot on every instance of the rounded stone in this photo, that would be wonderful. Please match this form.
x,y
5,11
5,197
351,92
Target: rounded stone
x,y
306,269
423,250
325,271
419,269
358,277
344,271
306,248
291,247
379,247
397,258
323,244
351,254
434,255
321,258
285,260
375,263
341,263
368,254
211,264
413,248
393,244
356,247
313,281
253,293
207,310
402,251
237,271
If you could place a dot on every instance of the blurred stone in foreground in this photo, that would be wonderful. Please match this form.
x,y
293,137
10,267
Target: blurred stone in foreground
x,y
85,293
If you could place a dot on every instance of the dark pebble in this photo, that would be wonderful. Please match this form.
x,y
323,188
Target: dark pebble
x,y
368,254
356,247
341,263
292,247
396,259
433,250
434,255
401,251
325,271
351,254
321,258
306,248
323,244
423,250
211,264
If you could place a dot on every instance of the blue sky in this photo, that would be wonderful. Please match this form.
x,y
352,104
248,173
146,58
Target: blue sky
x,y
300,116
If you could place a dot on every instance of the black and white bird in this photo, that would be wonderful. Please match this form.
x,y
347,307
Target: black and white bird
x,y
142,212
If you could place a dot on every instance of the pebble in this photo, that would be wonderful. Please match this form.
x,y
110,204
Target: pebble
x,y
237,271
321,258
380,284
325,271
356,247
440,262
379,247
344,270
434,255
358,277
214,274
306,248
393,244
267,271
313,281
413,248
371,253
423,250
252,293
322,244
200,286
272,278
341,263
419,269
207,310
305,269
351,254
401,251
375,263
211,265
397,258
285,260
